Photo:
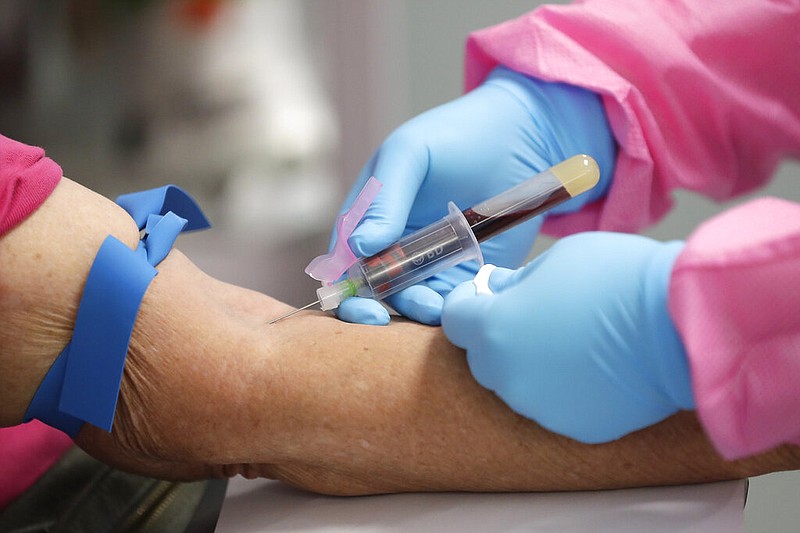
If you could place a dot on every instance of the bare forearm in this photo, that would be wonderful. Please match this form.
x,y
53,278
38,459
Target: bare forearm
x,y
210,389
350,409
398,410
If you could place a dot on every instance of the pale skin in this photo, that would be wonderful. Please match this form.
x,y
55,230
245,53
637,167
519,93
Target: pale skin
x,y
211,390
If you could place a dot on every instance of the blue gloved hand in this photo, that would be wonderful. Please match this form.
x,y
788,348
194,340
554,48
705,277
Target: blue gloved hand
x,y
465,151
579,340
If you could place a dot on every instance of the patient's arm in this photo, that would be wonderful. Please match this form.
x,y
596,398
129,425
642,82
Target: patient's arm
x,y
210,389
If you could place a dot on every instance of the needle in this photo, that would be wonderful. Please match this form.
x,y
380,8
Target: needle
x,y
287,315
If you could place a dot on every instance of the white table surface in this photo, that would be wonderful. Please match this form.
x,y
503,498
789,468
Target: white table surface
x,y
263,505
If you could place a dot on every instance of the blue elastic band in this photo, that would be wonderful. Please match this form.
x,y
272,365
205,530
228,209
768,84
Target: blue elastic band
x,y
83,383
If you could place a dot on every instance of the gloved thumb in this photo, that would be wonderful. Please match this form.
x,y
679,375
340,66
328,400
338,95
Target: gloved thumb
x,y
419,303
363,311
464,314
502,278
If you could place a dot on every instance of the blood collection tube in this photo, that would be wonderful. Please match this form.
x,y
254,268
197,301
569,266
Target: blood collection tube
x,y
454,239
533,196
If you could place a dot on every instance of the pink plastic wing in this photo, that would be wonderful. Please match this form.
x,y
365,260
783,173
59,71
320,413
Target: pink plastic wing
x,y
330,267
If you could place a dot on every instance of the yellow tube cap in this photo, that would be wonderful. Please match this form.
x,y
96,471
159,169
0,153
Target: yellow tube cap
x,y
577,174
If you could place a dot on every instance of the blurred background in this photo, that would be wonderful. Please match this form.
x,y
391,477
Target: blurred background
x,y
265,111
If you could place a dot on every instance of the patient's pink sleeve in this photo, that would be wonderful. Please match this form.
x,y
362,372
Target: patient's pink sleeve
x,y
27,452
700,95
27,178
734,296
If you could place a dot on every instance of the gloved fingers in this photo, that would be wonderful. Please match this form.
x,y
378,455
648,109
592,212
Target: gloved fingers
x,y
401,166
419,303
363,311
444,282
502,278
468,321
464,314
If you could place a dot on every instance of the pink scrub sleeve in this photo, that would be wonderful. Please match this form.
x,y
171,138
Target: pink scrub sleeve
x,y
27,178
735,298
700,95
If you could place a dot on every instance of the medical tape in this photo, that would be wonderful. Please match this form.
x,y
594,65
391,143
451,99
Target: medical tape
x,y
83,383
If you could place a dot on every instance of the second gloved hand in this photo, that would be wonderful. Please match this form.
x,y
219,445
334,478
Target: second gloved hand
x,y
580,340
466,151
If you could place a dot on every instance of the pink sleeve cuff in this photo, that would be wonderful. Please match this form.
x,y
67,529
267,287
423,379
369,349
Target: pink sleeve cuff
x,y
28,451
27,178
734,296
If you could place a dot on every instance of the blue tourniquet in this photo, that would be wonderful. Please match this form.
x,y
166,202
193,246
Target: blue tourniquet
x,y
83,383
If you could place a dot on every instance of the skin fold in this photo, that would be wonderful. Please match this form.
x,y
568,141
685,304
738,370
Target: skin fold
x,y
211,390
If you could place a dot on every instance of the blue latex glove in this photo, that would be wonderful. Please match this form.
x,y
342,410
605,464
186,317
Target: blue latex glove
x,y
580,340
465,151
